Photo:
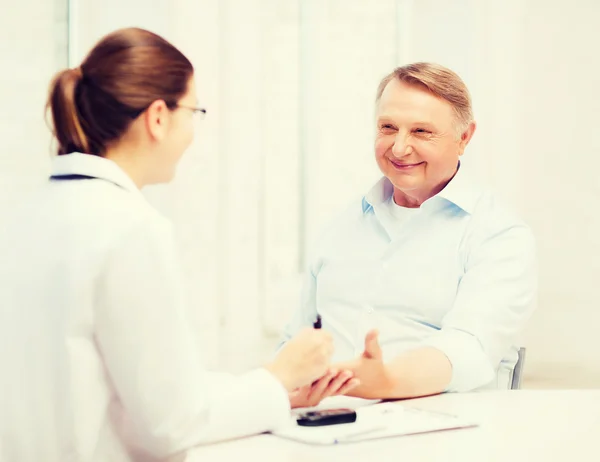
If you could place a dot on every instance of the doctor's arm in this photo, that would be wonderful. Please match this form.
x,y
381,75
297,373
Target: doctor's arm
x,y
495,298
170,401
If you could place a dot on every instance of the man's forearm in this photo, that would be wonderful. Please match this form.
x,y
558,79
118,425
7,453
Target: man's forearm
x,y
421,372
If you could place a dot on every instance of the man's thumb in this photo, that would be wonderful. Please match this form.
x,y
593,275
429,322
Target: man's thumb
x,y
372,348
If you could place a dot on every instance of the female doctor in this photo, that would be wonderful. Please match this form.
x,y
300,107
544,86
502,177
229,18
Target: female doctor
x,y
98,360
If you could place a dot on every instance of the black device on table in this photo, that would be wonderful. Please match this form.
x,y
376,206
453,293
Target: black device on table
x,y
326,417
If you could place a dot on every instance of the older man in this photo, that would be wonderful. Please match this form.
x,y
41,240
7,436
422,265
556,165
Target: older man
x,y
426,283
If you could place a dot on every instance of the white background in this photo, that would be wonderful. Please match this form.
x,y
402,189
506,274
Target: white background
x,y
289,87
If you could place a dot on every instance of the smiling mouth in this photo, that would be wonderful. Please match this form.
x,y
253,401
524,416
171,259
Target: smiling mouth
x,y
403,166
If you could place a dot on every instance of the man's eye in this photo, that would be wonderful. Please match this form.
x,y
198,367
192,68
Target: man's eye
x,y
422,131
387,127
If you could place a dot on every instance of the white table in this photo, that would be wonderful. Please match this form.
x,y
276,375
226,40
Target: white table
x,y
526,425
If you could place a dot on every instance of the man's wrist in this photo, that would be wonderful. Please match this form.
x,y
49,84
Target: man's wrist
x,y
390,382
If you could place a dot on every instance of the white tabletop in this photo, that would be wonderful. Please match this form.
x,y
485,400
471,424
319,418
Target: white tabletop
x,y
526,425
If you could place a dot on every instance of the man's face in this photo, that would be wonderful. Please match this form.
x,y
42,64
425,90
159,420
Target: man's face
x,y
417,144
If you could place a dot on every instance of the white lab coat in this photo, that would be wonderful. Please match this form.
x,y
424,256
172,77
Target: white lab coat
x,y
99,362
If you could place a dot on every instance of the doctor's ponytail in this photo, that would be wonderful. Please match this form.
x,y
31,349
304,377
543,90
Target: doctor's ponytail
x,y
92,106
65,117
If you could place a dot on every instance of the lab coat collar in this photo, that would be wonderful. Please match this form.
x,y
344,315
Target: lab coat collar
x,y
94,166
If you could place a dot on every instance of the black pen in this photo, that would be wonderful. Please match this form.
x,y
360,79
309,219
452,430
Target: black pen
x,y
317,323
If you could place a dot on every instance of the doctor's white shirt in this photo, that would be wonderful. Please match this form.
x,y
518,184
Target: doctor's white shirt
x,y
98,362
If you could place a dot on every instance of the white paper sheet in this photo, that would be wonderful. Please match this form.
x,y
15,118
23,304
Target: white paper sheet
x,y
374,420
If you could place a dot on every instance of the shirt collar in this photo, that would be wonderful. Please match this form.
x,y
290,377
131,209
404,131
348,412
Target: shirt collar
x,y
378,194
94,166
459,191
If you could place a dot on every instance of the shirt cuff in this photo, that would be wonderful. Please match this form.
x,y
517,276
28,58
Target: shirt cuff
x,y
265,405
471,367
253,403
273,395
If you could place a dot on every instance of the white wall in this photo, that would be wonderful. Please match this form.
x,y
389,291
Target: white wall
x,y
28,60
561,164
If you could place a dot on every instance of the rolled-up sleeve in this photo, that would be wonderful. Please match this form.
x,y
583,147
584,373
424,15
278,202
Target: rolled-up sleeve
x,y
495,298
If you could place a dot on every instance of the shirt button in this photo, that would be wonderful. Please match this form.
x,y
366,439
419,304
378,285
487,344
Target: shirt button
x,y
369,309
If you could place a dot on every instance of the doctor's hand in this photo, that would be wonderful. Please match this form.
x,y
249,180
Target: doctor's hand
x,y
303,359
376,381
333,383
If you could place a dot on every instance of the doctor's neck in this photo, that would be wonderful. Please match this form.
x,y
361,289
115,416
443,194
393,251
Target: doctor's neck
x,y
132,159
130,163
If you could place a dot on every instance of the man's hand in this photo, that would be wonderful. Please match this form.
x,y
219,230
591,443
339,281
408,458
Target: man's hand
x,y
331,384
376,381
420,372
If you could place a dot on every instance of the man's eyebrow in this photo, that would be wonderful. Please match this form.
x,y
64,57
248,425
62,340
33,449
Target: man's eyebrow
x,y
426,124
387,118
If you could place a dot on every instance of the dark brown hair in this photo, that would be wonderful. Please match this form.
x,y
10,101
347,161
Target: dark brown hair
x,y
127,70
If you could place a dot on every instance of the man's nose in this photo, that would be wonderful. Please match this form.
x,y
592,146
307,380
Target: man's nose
x,y
401,146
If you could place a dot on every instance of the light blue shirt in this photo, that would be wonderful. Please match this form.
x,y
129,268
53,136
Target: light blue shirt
x,y
458,274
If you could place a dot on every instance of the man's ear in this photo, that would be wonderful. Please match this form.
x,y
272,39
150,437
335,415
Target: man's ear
x,y
156,119
466,136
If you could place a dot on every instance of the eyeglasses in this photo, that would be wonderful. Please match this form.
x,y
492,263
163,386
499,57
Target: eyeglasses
x,y
195,110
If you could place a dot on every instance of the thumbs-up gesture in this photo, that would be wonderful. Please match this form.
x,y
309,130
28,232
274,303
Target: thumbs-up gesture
x,y
372,348
375,380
